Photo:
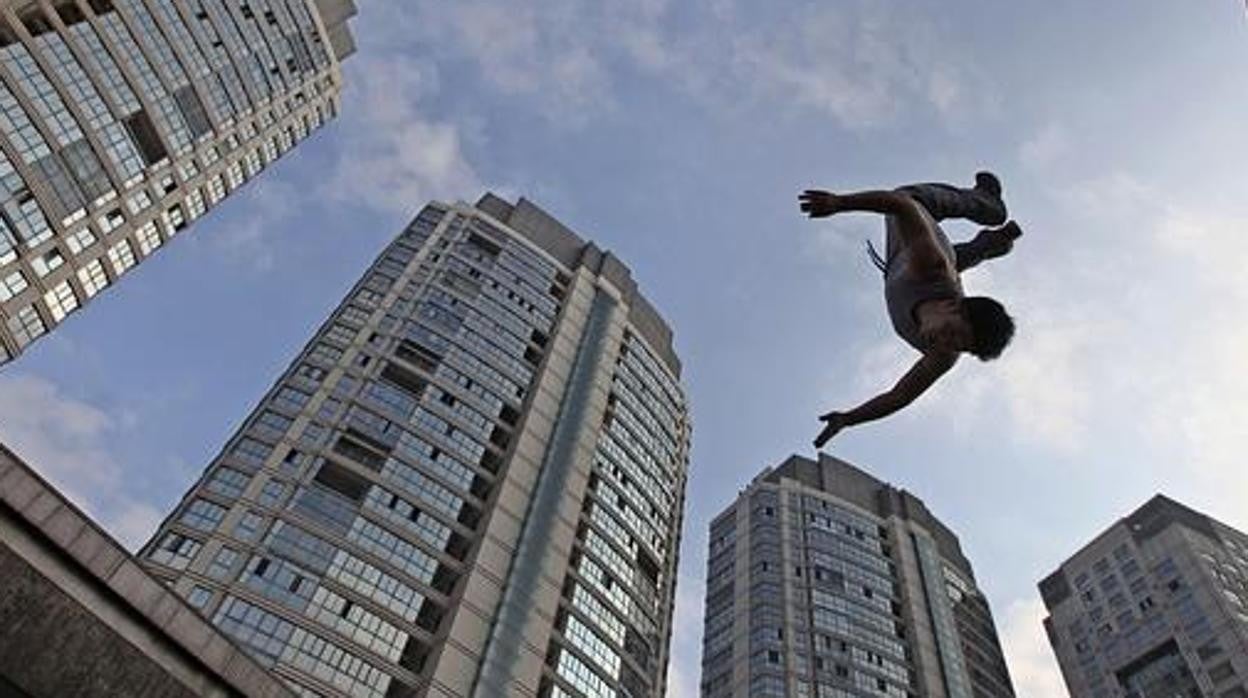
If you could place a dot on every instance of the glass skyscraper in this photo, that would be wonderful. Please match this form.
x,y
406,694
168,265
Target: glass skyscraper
x,y
122,121
824,582
470,482
1156,606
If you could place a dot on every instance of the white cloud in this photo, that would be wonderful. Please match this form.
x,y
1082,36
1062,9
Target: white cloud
x,y
391,156
1198,400
66,441
1045,147
1044,378
270,202
1033,667
551,52
1132,328
862,63
134,524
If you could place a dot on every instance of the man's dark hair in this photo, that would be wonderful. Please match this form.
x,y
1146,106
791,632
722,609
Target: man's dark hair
x,y
990,324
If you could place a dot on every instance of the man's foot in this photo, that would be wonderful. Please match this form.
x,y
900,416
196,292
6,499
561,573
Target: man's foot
x,y
991,210
997,242
987,182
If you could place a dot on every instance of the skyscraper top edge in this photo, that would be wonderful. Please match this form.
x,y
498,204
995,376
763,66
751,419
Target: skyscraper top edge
x,y
571,250
335,13
1145,522
851,483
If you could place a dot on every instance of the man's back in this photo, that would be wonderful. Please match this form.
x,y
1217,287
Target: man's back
x,y
905,286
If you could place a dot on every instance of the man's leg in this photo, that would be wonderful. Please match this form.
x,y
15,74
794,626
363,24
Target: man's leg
x,y
990,243
981,203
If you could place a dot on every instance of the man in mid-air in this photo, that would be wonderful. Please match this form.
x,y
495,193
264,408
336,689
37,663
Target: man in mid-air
x,y
922,281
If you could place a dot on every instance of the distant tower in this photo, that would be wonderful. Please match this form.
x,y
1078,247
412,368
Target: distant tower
x,y
470,482
122,121
823,582
1155,606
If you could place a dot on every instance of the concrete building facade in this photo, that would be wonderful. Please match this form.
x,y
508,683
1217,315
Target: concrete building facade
x,y
824,582
79,618
470,482
1154,607
123,121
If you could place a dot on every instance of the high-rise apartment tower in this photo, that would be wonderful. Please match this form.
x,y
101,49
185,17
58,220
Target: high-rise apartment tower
x,y
470,482
1154,607
122,121
824,582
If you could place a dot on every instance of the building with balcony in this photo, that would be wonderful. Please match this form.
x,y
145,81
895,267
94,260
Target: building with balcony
x,y
825,582
469,482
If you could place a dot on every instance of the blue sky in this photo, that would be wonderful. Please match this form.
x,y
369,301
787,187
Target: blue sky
x,y
678,134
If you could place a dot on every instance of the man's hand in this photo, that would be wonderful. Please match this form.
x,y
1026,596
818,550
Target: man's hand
x,y
836,421
817,203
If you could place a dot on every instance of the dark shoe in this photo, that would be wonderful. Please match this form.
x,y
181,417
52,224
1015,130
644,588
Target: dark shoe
x,y
988,182
997,242
991,209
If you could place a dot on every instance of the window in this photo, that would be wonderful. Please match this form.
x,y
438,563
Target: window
x,y
252,452
223,563
271,424
228,482
140,127
264,633
26,325
61,301
203,515
87,169
148,237
50,261
248,528
12,285
198,596
138,202
272,494
575,672
194,205
216,189
313,435
175,550
192,110
290,399
122,257
175,218
79,240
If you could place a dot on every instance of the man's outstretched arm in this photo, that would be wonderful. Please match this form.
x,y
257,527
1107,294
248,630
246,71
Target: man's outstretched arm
x,y
913,227
925,372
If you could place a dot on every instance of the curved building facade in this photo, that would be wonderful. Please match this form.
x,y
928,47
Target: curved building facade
x,y
123,121
824,582
470,482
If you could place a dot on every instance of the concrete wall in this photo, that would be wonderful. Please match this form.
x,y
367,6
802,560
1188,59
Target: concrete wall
x,y
78,617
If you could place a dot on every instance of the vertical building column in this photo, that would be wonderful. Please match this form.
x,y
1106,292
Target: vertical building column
x,y
516,649
927,658
744,605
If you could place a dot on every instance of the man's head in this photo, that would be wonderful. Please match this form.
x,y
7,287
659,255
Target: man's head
x,y
991,327
976,325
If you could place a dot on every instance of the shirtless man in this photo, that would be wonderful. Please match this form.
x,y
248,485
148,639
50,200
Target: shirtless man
x,y
922,282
